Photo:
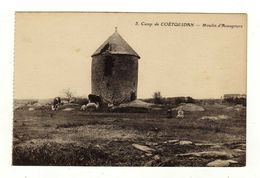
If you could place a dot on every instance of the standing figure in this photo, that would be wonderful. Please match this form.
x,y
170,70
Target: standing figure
x,y
180,114
169,113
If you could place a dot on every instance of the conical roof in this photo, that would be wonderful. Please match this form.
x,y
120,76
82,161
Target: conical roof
x,y
115,44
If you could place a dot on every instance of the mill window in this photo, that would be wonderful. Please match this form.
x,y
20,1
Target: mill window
x,y
108,66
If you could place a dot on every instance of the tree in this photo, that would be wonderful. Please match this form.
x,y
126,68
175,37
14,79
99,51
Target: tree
x,y
68,94
190,100
157,97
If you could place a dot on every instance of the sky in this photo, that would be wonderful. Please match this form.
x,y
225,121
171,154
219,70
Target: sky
x,y
53,52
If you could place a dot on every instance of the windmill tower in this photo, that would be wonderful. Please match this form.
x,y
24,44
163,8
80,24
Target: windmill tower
x,y
114,71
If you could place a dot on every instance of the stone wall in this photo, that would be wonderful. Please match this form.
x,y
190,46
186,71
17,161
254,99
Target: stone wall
x,y
115,87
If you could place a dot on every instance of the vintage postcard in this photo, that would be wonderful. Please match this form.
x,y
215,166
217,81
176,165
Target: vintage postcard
x,y
130,89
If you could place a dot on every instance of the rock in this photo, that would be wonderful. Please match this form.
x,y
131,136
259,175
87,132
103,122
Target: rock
x,y
37,105
242,146
223,117
149,163
220,106
151,134
209,118
151,143
189,107
237,107
239,150
143,148
156,109
149,154
216,146
136,105
208,154
221,163
15,139
185,143
192,158
206,144
156,157
240,106
229,108
171,141
68,109
160,149
98,147
31,109
18,106
219,117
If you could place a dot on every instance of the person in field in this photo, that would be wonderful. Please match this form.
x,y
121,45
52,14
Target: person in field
x,y
180,114
169,113
56,103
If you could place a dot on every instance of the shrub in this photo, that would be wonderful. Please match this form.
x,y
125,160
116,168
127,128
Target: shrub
x,y
157,97
236,100
81,101
179,100
190,100
32,102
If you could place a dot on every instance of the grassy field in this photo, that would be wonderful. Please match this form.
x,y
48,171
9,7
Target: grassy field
x,y
79,138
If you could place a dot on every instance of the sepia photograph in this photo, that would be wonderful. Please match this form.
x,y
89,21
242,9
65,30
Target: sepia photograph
x,y
130,89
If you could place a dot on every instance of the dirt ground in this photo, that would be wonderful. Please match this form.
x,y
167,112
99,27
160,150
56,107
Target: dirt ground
x,y
80,138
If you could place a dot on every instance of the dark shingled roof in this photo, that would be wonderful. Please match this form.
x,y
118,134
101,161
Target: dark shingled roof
x,y
115,44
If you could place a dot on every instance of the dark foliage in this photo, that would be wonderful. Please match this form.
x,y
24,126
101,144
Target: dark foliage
x,y
81,101
236,100
157,97
60,155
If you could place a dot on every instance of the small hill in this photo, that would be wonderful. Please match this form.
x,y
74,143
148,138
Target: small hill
x,y
189,107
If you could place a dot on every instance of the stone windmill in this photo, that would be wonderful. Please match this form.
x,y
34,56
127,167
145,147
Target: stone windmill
x,y
114,71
